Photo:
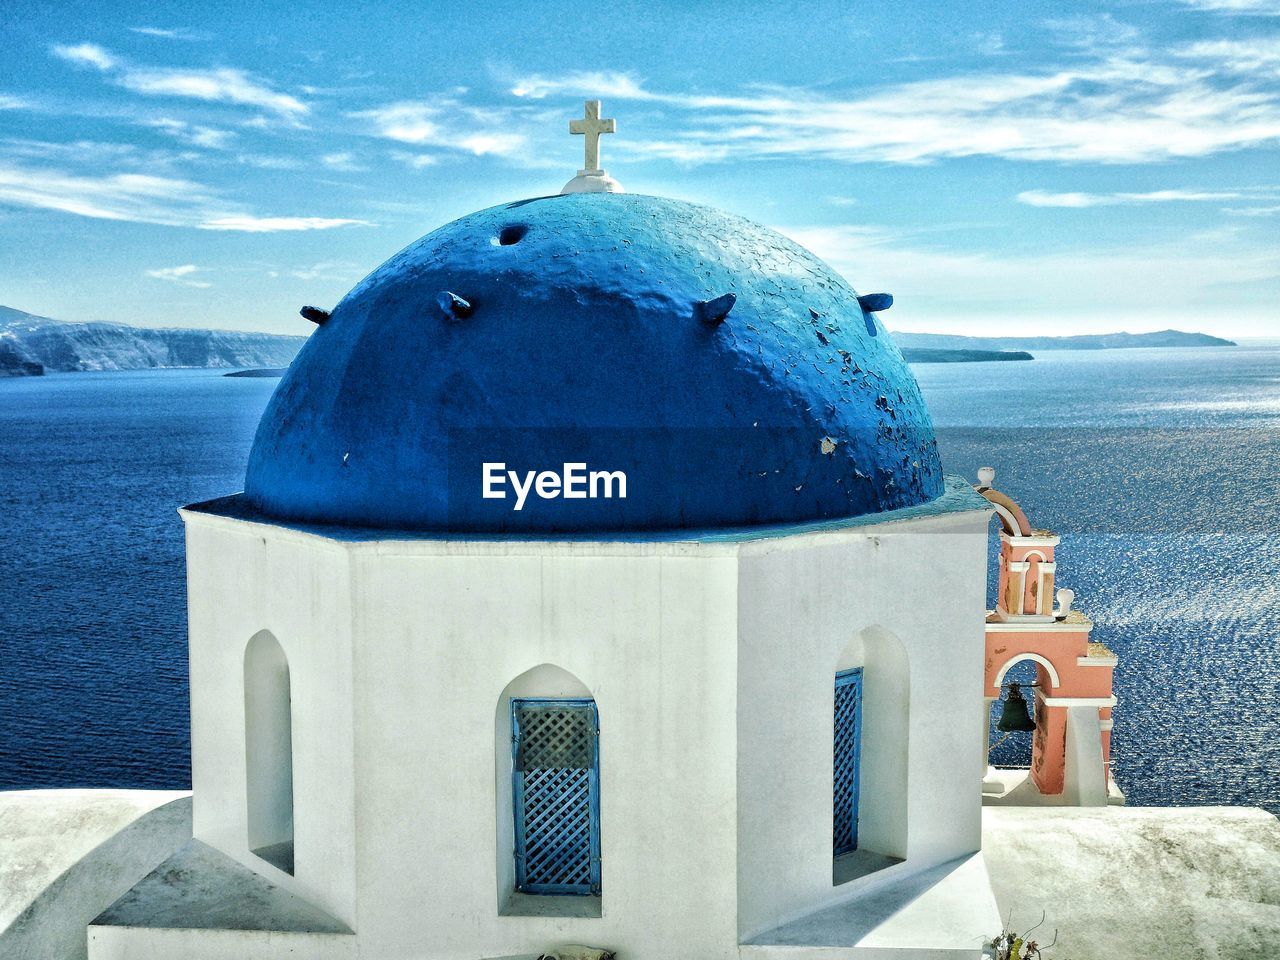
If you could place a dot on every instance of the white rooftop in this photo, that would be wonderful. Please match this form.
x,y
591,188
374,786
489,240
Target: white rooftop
x,y
1173,883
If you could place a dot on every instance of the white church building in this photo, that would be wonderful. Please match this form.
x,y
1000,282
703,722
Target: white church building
x,y
596,583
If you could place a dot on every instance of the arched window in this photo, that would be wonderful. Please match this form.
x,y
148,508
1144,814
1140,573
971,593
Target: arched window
x,y
268,749
548,790
871,719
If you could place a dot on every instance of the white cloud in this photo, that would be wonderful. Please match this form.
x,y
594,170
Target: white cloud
x,y
1093,32
1266,8
269,162
218,85
405,122
988,44
681,151
222,84
502,144
1043,198
103,153
1258,56
445,124
415,160
248,224
1115,106
343,161
133,197
192,133
1252,211
586,84
8,102
339,271
86,54
141,198
1198,281
170,33
179,275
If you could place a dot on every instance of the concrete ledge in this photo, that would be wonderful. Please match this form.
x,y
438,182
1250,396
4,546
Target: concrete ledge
x,y
125,943
858,864
532,905
1189,883
199,888
1013,787
65,855
781,952
944,913
202,905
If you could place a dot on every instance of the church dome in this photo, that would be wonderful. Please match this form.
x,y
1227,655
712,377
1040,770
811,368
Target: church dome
x,y
731,376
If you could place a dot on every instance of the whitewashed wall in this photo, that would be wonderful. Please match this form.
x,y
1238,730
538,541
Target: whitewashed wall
x,y
809,606
711,664
444,629
241,579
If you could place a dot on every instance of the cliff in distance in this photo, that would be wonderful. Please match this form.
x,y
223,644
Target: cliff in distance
x,y
1084,341
31,345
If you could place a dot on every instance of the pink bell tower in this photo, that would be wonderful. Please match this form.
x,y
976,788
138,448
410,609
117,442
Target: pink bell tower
x,y
1071,746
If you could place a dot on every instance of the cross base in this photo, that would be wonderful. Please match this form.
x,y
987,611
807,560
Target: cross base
x,y
593,181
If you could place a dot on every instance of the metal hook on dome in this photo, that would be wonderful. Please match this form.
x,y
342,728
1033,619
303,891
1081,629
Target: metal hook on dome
x,y
716,310
314,314
452,305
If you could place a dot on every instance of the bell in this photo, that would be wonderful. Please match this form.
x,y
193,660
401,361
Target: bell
x,y
1015,715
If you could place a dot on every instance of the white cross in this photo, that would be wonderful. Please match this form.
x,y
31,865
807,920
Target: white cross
x,y
592,126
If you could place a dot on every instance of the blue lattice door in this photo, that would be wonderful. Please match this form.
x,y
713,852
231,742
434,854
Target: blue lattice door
x,y
556,769
848,750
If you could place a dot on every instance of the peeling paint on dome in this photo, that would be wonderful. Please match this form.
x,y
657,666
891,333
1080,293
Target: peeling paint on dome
x,y
586,340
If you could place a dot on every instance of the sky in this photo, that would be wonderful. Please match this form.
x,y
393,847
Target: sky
x,y
1001,168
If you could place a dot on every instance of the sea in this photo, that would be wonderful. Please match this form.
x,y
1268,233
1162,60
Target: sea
x,y
1159,468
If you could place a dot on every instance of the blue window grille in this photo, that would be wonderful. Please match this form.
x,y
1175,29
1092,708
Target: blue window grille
x,y
556,779
848,749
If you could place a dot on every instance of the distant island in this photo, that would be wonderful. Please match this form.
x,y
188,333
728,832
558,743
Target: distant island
x,y
265,373
31,345
927,355
1087,341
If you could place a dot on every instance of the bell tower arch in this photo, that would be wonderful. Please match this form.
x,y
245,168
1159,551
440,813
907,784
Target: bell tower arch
x,y
1069,704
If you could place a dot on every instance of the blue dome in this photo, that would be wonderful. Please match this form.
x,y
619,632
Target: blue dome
x,y
572,330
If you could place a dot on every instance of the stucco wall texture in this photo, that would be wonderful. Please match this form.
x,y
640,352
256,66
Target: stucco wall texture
x,y
711,661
